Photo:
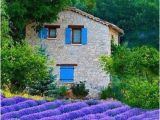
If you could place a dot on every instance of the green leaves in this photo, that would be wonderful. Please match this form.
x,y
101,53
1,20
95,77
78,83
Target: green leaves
x,y
22,66
138,19
142,93
134,75
22,12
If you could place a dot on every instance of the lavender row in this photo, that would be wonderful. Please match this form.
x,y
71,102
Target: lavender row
x,y
149,114
11,101
85,111
21,105
58,111
92,102
95,116
110,112
117,111
31,110
126,115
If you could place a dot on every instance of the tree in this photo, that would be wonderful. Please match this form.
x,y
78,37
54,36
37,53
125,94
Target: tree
x,y
21,65
40,11
134,74
138,19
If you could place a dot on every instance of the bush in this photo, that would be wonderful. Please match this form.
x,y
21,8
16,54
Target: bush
x,y
106,93
141,93
22,66
134,75
79,90
62,90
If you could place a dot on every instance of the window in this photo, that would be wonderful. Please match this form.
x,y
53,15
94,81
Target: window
x,y
67,72
52,33
76,33
76,36
52,30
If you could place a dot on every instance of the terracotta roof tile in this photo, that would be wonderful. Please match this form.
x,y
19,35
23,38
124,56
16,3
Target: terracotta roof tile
x,y
95,18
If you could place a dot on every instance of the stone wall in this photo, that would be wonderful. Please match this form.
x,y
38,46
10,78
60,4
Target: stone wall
x,y
86,56
115,35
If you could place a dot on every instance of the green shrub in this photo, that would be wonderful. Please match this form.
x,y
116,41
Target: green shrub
x,y
79,90
106,93
134,75
44,87
62,90
22,66
142,93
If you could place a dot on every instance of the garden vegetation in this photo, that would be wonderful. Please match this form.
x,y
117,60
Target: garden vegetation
x,y
134,75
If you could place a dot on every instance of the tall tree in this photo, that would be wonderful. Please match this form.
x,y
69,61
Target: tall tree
x,y
138,18
22,12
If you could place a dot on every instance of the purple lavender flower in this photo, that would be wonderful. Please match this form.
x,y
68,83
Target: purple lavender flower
x,y
94,116
62,109
31,103
86,110
150,114
41,102
27,109
18,106
92,102
40,115
11,101
72,107
54,104
107,118
10,115
104,106
35,109
116,111
7,109
129,113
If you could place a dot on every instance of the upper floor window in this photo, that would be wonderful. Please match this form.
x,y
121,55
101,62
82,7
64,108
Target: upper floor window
x,y
52,30
76,36
76,33
52,33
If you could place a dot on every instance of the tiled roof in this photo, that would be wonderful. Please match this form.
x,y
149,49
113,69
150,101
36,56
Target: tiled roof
x,y
95,18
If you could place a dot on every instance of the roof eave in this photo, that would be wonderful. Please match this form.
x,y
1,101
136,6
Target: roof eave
x,y
95,19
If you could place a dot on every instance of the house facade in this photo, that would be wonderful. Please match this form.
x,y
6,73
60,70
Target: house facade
x,y
76,41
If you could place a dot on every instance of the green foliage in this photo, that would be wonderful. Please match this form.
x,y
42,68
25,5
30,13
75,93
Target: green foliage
x,y
62,90
21,67
140,62
39,11
23,12
85,5
48,86
142,93
129,68
106,93
138,19
79,90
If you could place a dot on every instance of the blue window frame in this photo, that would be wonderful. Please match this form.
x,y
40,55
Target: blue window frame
x,y
67,73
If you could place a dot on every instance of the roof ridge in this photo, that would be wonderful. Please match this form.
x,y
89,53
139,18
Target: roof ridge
x,y
76,10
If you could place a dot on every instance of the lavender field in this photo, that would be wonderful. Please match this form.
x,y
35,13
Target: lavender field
x,y
18,108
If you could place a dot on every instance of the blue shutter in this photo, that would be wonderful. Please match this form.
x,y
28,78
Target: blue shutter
x,y
84,36
68,36
40,34
43,33
66,73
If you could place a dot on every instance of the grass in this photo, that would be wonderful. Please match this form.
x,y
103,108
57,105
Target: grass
x,y
8,94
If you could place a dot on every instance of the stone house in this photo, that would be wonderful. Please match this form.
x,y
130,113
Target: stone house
x,y
75,41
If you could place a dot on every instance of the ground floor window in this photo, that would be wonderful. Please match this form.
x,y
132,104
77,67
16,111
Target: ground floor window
x,y
66,72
